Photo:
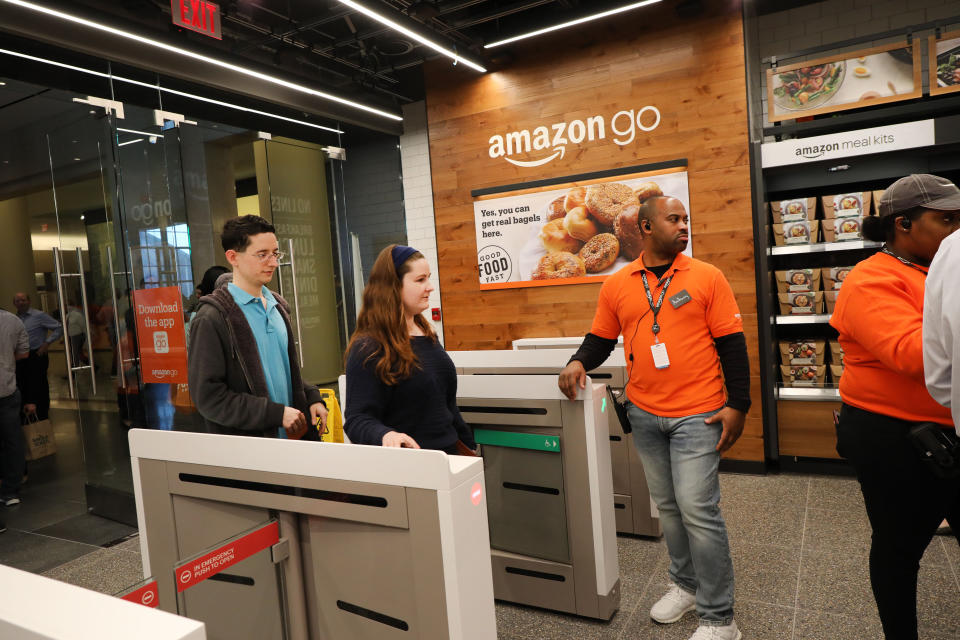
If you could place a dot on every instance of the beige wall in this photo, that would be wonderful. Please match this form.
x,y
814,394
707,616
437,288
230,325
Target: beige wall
x,y
16,259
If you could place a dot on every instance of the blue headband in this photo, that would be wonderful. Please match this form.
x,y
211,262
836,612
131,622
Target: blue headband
x,y
400,254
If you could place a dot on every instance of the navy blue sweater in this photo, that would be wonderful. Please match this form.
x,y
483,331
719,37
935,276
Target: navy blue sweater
x,y
423,406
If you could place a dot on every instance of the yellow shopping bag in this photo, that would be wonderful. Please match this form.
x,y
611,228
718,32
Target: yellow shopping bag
x,y
334,430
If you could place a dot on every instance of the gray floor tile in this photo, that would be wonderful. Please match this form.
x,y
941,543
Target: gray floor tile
x,y
952,551
775,525
781,489
35,553
132,545
838,494
104,570
835,582
762,621
843,531
938,599
527,622
765,574
31,514
818,625
89,529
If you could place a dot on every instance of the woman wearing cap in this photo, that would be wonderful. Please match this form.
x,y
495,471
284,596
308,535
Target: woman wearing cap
x,y
401,384
879,315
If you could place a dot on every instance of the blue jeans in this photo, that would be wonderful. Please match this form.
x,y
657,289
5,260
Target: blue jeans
x,y
680,461
12,445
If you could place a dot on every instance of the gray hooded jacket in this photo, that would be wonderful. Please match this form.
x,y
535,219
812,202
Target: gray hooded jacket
x,y
227,383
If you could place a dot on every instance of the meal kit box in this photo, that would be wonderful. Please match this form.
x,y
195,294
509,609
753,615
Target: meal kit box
x,y
843,229
845,205
836,370
793,210
833,277
836,353
830,299
801,303
790,233
808,351
798,280
803,375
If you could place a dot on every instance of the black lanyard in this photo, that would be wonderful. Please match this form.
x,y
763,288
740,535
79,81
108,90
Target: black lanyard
x,y
903,260
655,308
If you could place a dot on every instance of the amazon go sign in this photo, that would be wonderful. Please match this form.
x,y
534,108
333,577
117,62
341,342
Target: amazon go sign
x,y
550,141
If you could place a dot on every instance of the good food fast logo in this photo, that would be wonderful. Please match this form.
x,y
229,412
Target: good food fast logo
x,y
553,139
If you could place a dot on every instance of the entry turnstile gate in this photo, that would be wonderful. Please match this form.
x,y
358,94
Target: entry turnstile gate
x,y
635,511
372,542
550,491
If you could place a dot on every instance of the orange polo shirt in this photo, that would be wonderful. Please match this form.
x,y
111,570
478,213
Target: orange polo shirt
x,y
692,383
879,314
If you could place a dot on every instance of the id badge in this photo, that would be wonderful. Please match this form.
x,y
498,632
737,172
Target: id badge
x,y
660,358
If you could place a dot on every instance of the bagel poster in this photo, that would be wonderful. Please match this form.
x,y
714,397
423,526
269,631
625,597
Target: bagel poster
x,y
570,231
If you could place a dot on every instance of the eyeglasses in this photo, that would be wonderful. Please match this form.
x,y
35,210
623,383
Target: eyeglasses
x,y
264,256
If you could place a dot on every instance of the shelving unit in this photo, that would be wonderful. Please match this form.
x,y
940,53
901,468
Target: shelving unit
x,y
825,247
816,318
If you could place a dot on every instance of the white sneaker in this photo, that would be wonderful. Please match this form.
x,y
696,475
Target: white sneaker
x,y
673,605
714,632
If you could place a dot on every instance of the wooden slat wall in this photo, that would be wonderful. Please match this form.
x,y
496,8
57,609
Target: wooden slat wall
x,y
691,70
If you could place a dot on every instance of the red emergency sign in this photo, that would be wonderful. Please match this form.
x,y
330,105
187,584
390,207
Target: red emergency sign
x,y
197,15
148,595
199,569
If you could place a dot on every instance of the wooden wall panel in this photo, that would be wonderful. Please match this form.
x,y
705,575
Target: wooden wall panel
x,y
691,70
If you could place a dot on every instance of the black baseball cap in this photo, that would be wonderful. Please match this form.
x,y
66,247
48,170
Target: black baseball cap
x,y
920,190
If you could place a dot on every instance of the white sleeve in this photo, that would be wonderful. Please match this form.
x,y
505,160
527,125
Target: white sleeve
x,y
941,327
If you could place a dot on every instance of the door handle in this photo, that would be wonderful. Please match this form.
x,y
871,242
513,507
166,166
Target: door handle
x,y
116,316
86,322
58,269
296,299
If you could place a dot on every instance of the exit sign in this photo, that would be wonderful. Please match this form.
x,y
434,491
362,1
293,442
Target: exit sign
x,y
198,15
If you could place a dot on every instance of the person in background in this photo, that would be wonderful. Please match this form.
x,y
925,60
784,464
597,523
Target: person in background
x,y
680,325
401,384
941,333
244,374
879,315
42,331
14,346
76,323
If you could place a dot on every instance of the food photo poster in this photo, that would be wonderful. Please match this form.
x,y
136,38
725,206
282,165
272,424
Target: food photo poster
x,y
945,72
848,81
568,233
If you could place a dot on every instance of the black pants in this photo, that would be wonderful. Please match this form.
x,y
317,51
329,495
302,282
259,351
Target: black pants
x,y
33,384
905,503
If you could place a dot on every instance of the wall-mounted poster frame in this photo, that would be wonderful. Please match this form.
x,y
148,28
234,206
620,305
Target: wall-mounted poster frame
x,y
571,229
945,56
867,65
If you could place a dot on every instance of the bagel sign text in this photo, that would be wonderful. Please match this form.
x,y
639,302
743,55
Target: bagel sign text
x,y
569,232
548,142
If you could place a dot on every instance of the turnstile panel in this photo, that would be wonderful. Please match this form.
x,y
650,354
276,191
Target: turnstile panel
x,y
245,600
526,502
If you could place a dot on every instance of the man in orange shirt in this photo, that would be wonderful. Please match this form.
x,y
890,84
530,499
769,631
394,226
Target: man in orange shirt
x,y
680,325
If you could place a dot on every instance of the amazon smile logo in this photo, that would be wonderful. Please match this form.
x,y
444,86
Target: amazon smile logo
x,y
550,142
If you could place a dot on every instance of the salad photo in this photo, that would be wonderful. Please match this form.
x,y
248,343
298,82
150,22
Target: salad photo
x,y
808,87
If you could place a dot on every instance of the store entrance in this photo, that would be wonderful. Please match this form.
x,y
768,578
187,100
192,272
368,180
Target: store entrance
x,y
114,209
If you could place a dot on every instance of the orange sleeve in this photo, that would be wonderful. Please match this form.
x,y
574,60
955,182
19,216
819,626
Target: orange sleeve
x,y
723,314
885,320
606,324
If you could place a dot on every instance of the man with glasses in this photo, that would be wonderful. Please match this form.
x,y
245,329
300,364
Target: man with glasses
x,y
242,361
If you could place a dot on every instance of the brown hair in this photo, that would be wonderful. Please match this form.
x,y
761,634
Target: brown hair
x,y
381,322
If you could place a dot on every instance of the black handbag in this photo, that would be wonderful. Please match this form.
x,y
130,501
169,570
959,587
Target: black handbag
x,y
939,449
618,398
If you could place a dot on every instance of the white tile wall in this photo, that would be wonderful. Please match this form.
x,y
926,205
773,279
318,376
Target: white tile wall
x,y
418,195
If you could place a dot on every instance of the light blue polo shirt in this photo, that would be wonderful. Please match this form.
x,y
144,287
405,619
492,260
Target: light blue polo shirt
x,y
270,332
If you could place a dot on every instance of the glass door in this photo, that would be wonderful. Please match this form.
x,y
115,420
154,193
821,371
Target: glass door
x,y
88,279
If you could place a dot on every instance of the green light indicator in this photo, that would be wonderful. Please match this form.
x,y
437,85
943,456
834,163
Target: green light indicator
x,y
603,405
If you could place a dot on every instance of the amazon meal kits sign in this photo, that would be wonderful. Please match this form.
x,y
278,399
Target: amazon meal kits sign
x,y
896,137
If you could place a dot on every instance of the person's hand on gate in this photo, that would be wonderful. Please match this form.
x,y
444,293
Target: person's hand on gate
x,y
397,439
572,375
732,421
294,422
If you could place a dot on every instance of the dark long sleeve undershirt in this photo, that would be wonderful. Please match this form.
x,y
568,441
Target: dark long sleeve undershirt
x,y
732,350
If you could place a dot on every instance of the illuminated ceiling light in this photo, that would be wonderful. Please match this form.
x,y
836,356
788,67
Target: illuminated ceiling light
x,y
411,34
134,141
154,87
196,56
556,27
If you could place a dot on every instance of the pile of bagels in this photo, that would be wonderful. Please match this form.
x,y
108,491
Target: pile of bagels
x,y
590,227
